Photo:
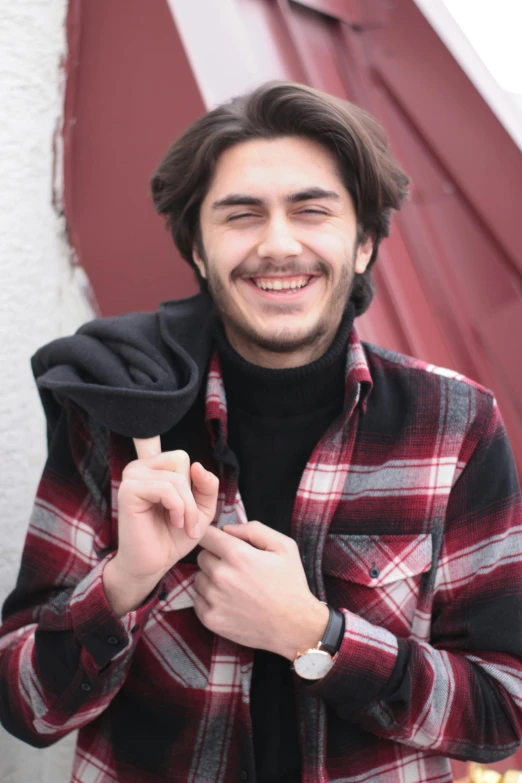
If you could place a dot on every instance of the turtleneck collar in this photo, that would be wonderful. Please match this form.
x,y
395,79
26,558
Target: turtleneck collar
x,y
289,392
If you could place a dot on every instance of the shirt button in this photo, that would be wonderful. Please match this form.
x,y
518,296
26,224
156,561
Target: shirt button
x,y
86,686
163,593
135,629
113,640
374,572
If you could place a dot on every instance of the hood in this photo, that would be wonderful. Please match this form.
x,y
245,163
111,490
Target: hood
x,y
136,374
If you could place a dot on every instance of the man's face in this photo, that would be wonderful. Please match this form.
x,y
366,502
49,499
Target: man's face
x,y
279,238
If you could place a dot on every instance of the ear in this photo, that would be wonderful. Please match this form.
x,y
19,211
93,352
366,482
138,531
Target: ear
x,y
199,262
364,253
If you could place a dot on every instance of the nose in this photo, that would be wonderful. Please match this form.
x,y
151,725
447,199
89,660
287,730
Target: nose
x,y
278,241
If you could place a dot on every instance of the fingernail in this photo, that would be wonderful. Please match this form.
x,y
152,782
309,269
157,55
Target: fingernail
x,y
197,531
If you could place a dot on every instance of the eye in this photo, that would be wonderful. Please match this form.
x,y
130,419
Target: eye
x,y
312,212
240,216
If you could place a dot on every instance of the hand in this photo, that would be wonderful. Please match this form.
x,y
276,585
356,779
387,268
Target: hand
x,y
252,589
165,505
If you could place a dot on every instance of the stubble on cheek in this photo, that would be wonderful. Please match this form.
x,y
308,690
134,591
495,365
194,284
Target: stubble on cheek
x,y
283,340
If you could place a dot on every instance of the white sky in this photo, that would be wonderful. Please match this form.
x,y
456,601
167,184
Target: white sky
x,y
493,27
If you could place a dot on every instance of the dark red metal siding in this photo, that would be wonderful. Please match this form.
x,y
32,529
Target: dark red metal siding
x,y
130,92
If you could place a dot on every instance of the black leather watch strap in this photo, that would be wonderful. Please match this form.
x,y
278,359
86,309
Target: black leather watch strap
x,y
334,632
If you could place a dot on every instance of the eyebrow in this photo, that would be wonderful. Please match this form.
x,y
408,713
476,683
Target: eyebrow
x,y
239,199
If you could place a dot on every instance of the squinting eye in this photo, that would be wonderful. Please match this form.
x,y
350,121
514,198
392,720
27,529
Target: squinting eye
x,y
242,215
312,212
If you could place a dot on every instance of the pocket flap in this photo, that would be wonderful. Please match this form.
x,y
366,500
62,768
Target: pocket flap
x,y
376,560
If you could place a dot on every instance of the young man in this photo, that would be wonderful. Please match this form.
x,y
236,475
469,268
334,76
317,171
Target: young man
x,y
365,624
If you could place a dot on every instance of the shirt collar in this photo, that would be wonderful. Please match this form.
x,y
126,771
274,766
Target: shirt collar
x,y
358,385
357,373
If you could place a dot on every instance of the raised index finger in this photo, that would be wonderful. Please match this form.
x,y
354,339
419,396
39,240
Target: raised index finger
x,y
150,449
147,447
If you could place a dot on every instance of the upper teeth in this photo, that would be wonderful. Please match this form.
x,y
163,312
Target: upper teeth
x,y
278,285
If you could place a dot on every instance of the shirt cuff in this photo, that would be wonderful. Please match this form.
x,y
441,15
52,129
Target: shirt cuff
x,y
102,634
362,667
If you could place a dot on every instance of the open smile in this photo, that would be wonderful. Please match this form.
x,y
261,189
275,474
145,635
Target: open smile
x,y
282,288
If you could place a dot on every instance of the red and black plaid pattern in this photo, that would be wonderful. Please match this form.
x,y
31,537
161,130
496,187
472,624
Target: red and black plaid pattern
x,y
408,519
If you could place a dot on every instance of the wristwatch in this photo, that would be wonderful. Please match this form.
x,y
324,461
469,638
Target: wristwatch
x,y
316,662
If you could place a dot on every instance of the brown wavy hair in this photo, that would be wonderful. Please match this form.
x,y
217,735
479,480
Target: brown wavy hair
x,y
353,137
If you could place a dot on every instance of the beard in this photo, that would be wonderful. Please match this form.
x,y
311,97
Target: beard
x,y
285,339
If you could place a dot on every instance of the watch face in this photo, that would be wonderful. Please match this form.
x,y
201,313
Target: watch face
x,y
313,664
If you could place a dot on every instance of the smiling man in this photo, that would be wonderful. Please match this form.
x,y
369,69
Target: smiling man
x,y
314,573
280,249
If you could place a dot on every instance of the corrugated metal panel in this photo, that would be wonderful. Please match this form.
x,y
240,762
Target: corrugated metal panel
x,y
130,92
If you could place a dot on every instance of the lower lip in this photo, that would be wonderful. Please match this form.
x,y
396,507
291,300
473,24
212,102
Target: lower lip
x,y
288,295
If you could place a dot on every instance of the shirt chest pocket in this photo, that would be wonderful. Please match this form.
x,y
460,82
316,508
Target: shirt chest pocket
x,y
378,577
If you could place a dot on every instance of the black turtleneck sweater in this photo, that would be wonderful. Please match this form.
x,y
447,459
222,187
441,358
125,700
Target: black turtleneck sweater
x,y
275,419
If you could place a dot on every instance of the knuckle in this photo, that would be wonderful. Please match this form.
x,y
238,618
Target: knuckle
x,y
202,597
180,482
212,619
204,612
125,489
129,469
204,587
175,502
291,545
236,559
214,480
198,606
257,527
182,460
221,577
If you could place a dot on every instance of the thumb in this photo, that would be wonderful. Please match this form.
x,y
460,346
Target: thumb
x,y
205,489
259,535
147,447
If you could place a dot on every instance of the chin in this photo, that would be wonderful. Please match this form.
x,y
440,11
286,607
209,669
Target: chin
x,y
288,340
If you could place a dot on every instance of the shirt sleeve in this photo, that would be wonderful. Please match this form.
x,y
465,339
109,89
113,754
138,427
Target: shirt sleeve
x,y
461,694
64,654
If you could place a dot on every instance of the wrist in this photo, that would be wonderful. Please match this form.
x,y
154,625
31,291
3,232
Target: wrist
x,y
123,592
317,661
308,631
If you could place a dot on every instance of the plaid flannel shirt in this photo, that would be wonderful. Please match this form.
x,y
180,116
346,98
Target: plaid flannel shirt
x,y
408,518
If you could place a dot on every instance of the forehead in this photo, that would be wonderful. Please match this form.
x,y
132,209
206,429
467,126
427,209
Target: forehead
x,y
273,166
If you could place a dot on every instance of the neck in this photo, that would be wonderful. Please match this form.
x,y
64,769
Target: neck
x,y
285,391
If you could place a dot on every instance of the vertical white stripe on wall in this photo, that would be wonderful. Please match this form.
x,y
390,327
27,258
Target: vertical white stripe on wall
x,y
226,56
505,106
41,297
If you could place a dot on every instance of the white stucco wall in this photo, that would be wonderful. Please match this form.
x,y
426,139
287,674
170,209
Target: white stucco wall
x,y
41,297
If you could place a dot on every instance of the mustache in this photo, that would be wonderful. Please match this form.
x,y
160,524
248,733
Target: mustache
x,y
293,268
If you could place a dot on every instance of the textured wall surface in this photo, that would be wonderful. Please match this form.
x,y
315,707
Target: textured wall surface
x,y
41,297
